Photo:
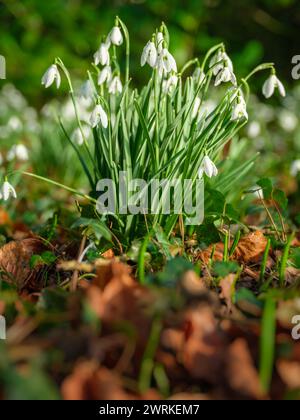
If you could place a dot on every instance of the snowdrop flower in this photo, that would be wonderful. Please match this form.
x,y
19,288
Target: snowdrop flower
x,y
99,116
170,83
6,191
208,167
239,110
115,86
160,42
50,76
199,76
271,84
87,90
166,62
149,55
219,61
295,168
196,107
18,152
105,75
225,75
115,36
79,135
102,55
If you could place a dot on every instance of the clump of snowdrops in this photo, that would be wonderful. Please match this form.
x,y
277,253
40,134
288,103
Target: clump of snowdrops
x,y
165,129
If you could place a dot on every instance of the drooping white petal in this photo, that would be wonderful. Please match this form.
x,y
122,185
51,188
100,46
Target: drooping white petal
x,y
115,86
170,84
239,110
98,116
281,88
50,76
196,108
208,167
7,190
219,61
102,55
269,86
115,36
149,55
105,75
225,76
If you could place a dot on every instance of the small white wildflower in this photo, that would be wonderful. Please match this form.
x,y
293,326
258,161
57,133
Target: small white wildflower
x,y
170,84
50,76
102,55
208,167
105,75
224,76
115,86
196,108
295,168
219,61
166,62
271,84
98,116
239,110
115,36
6,191
149,55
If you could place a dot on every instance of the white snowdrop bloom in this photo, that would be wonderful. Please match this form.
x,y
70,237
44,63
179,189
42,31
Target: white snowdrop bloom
x,y
170,84
79,135
166,62
224,76
105,75
115,36
196,108
199,75
19,152
288,120
271,84
87,90
254,129
6,191
208,167
219,61
149,55
295,168
115,86
159,42
239,110
51,75
102,55
98,116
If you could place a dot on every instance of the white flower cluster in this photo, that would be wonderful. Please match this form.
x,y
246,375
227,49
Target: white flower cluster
x,y
157,56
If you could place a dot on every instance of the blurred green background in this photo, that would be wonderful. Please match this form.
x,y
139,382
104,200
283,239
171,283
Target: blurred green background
x,y
33,32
